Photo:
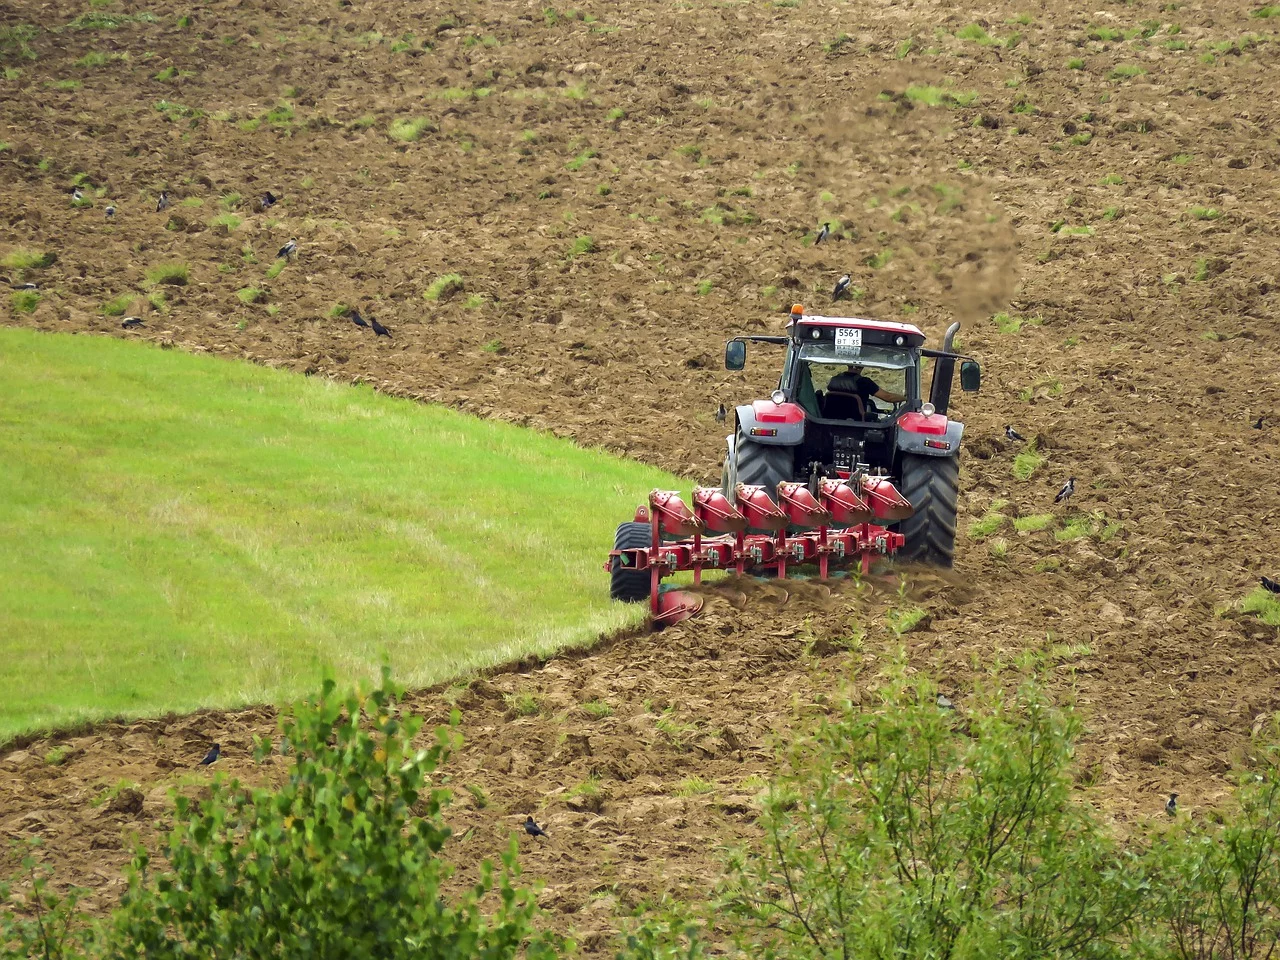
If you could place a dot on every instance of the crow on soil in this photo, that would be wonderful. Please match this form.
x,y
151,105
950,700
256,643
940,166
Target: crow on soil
x,y
721,414
1067,490
288,250
532,829
841,286
378,329
357,319
1270,585
1171,805
822,234
131,322
1257,425
944,702
163,202
214,753
110,212
1014,435
269,200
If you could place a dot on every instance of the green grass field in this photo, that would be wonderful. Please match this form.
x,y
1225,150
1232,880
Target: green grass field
x,y
183,531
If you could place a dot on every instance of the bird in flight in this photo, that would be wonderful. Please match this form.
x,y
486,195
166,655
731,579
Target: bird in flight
x,y
163,202
1171,805
357,319
288,250
532,829
110,212
269,200
378,329
131,322
1067,490
1270,585
841,286
721,414
822,234
1012,434
214,753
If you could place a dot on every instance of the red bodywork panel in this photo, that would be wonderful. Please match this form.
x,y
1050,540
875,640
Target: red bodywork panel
x,y
916,422
767,411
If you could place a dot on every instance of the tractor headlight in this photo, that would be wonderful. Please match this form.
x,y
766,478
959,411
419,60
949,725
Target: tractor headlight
x,y
927,408
816,333
900,340
778,397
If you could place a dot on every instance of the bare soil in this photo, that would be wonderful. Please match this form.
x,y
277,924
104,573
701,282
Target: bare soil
x,y
1126,209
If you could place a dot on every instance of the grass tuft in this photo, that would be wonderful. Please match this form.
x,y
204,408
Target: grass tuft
x,y
1265,604
1027,462
410,130
597,709
940,96
173,274
444,286
27,258
583,244
118,306
249,295
25,301
1034,523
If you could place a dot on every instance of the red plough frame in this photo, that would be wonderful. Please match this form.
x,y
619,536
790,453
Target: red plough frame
x,y
833,504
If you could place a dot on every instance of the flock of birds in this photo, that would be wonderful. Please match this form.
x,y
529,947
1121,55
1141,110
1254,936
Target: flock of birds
x,y
286,252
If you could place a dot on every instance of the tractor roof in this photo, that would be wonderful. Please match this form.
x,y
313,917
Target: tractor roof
x,y
888,326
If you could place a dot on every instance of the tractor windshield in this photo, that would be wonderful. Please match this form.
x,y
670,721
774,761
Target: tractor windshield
x,y
871,384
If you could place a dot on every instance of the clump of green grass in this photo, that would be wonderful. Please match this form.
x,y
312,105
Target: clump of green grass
x,y
57,755
1075,528
990,522
1182,159
905,620
444,286
1265,604
578,162
877,260
836,43
1027,462
276,268
1106,34
25,301
1271,10
101,20
693,787
168,73
1034,523
1206,213
97,58
976,33
16,40
474,302
410,130
617,113
1007,323
597,709
249,295
1075,63
704,287
523,704
1126,71
1111,179
28,258
493,346
118,306
228,220
940,96
173,274
583,244
1200,272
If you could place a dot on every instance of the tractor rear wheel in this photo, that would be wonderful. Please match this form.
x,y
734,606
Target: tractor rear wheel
x,y
932,485
625,584
758,464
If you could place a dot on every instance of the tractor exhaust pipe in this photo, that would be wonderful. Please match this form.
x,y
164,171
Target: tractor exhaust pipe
x,y
944,369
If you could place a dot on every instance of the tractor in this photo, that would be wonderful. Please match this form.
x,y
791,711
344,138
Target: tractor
x,y
846,439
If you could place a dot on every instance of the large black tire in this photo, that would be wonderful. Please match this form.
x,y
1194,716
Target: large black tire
x,y
631,586
757,463
932,485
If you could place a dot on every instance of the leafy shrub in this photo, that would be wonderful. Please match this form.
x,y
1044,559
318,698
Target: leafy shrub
x,y
340,861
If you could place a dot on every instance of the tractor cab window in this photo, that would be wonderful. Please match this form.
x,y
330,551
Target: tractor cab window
x,y
840,386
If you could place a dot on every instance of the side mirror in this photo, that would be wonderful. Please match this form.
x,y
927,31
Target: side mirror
x,y
970,376
735,354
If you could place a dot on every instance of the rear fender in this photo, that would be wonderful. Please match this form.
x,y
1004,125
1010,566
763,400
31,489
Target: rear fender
x,y
934,436
771,424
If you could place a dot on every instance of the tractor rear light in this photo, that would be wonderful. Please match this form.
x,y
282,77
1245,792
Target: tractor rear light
x,y
778,396
928,409
938,444
764,432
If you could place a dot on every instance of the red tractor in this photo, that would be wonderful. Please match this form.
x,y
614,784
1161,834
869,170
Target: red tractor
x,y
859,463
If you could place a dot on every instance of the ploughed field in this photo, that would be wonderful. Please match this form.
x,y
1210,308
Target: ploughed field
x,y
1090,190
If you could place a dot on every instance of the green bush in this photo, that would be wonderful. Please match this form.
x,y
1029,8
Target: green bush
x,y
341,861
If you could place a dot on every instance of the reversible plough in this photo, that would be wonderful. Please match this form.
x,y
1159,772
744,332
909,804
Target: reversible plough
x,y
830,523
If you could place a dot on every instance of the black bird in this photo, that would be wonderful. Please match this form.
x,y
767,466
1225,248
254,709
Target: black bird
x,y
26,286
214,753
76,194
1270,585
111,212
721,414
378,329
1013,434
841,286
1258,424
532,829
1067,490
163,202
288,250
822,234
357,319
944,703
131,322
269,200
1171,805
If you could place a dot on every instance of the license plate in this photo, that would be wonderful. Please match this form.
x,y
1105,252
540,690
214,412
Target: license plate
x,y
848,340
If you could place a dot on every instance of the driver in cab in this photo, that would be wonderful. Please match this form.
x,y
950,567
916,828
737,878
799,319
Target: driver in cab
x,y
852,383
